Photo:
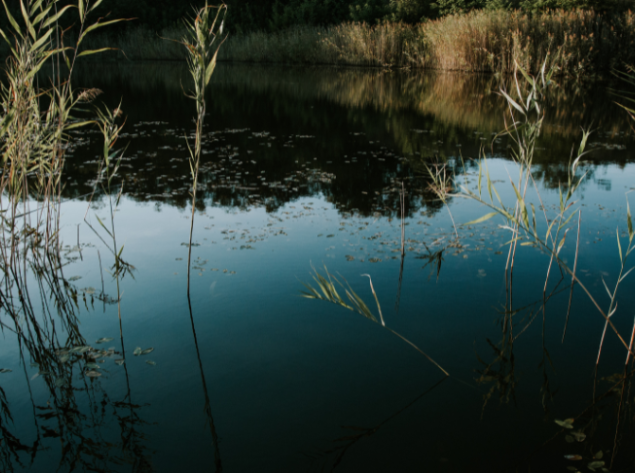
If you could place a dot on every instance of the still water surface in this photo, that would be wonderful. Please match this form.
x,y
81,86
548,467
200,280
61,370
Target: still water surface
x,y
303,168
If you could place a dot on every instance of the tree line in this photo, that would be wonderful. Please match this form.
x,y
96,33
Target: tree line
x,y
275,15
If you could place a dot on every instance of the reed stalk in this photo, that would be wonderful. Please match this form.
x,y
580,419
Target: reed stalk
x,y
328,284
203,42
34,133
527,115
107,122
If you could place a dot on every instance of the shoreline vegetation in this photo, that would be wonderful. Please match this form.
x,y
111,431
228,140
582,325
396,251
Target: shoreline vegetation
x,y
580,43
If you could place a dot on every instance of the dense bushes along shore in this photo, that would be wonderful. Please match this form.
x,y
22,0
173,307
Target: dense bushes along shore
x,y
580,42
276,15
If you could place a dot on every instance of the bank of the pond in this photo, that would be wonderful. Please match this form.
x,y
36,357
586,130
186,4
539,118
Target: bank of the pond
x,y
579,43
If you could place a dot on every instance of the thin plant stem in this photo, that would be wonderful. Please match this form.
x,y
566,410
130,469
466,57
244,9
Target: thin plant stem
x,y
575,265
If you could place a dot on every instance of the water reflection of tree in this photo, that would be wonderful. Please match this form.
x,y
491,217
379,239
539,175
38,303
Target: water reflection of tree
x,y
417,115
554,175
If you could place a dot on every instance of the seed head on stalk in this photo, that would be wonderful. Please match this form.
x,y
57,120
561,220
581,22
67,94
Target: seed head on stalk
x,y
202,41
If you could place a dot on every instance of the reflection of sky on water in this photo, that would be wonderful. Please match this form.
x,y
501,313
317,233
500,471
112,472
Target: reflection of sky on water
x,y
299,369
284,374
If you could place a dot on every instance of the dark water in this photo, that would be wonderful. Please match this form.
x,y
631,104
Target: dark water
x,y
302,168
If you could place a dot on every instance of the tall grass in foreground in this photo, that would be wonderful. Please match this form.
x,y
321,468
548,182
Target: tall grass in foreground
x,y
33,135
34,131
202,43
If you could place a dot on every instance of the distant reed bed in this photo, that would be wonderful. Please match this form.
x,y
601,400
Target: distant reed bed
x,y
357,44
489,41
579,42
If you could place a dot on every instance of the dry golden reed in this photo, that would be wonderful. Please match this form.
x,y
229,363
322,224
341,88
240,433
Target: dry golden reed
x,y
579,42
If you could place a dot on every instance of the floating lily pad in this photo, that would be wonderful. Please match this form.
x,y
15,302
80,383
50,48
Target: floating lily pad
x,y
79,349
138,351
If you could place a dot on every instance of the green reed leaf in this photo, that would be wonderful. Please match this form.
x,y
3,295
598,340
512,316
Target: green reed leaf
x,y
34,7
54,19
14,23
42,15
99,24
89,52
40,42
27,21
512,102
481,219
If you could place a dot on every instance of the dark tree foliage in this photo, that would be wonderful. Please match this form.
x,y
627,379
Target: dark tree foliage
x,y
153,14
273,15
249,15
445,7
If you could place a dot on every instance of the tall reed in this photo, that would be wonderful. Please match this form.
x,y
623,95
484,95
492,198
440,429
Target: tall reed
x,y
107,122
33,137
203,43
34,128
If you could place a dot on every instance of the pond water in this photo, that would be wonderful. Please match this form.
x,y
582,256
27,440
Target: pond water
x,y
305,168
